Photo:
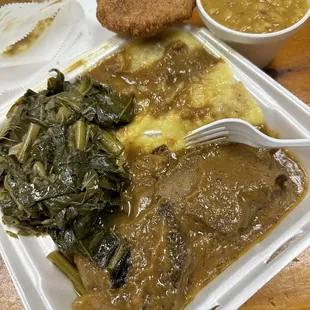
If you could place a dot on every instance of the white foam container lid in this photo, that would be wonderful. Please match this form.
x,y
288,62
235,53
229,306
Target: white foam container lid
x,y
42,286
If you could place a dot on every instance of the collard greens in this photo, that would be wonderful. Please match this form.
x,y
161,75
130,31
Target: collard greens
x,y
62,170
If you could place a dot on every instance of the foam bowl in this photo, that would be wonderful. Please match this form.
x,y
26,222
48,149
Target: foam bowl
x,y
258,48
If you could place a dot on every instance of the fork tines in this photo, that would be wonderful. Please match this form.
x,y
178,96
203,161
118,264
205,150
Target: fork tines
x,y
205,135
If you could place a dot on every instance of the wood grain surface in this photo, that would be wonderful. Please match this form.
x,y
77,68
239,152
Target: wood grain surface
x,y
290,289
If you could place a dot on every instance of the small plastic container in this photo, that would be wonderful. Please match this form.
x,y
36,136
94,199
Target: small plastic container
x,y
258,48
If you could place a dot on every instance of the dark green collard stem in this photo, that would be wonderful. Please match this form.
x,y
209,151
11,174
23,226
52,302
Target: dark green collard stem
x,y
59,165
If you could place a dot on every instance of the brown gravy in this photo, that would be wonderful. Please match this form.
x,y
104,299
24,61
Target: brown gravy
x,y
257,16
187,214
165,85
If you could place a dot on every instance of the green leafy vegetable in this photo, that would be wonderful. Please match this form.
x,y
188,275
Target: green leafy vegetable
x,y
119,264
61,172
11,234
68,269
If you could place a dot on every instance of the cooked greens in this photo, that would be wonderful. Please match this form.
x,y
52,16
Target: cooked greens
x,y
62,169
66,267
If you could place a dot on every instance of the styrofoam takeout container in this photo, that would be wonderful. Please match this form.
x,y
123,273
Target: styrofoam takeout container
x,y
258,48
42,286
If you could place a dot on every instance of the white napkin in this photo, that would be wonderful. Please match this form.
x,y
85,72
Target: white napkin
x,y
17,20
19,70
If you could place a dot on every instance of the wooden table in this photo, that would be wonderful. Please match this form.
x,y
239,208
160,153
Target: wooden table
x,y
290,289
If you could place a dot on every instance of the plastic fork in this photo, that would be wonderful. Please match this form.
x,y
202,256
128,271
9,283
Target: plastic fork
x,y
236,130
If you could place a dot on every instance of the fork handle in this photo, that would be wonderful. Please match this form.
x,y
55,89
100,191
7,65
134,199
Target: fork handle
x,y
289,143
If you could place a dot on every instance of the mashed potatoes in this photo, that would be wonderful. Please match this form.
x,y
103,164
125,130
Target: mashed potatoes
x,y
178,86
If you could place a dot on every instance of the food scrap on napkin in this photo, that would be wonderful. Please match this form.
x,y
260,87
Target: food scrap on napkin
x,y
17,20
55,30
22,45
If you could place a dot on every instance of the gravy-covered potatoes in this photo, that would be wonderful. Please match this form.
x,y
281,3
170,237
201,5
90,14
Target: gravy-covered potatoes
x,y
178,87
257,16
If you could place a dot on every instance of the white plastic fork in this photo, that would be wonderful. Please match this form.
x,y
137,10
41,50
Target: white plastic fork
x,y
236,130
